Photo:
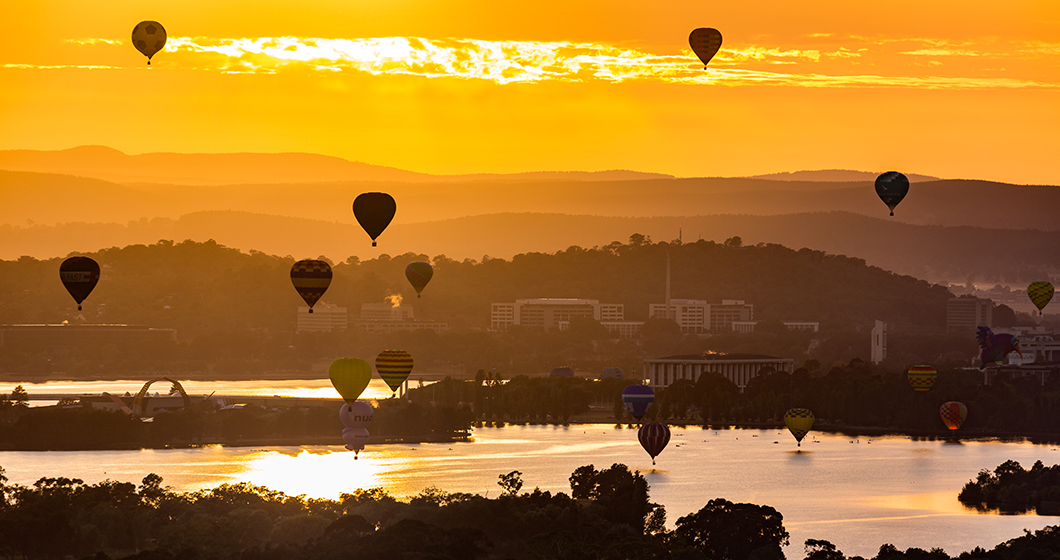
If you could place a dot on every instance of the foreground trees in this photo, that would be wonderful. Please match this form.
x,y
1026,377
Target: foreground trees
x,y
608,515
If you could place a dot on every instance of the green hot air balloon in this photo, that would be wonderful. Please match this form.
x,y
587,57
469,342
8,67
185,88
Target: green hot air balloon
x,y
350,376
374,211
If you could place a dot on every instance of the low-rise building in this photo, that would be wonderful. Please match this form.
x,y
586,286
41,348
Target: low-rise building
x,y
738,368
324,318
548,313
968,313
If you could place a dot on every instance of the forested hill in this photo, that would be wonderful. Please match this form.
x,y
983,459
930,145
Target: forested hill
x,y
199,288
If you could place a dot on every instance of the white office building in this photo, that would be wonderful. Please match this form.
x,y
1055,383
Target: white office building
x,y
324,318
548,313
738,368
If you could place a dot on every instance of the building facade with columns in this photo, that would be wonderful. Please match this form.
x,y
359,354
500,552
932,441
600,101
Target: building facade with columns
x,y
738,368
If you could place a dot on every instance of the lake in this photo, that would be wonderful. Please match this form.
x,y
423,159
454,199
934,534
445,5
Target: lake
x,y
856,493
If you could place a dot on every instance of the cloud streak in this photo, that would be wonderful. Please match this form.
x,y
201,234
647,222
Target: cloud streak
x,y
523,62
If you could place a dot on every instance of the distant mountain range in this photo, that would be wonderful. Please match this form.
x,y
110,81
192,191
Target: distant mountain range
x,y
836,175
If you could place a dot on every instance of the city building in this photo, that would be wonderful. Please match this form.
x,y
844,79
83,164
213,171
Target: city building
x,y
968,313
547,313
391,317
879,342
749,326
697,316
738,368
324,318
692,315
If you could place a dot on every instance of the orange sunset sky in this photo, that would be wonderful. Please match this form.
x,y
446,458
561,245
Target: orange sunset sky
x,y
967,89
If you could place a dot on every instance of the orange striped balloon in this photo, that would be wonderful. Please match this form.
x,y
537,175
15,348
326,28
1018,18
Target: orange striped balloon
x,y
922,378
394,366
311,279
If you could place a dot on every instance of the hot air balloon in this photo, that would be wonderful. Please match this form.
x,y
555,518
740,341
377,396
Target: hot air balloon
x,y
653,438
995,346
350,376
638,399
892,187
562,371
922,378
1040,294
374,210
953,414
419,273
799,422
356,417
149,37
394,366
705,42
79,276
311,279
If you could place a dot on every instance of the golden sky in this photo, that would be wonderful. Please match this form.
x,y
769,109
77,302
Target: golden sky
x,y
966,89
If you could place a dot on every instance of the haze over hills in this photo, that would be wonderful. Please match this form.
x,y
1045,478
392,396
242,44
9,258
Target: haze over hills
x,y
836,175
101,162
935,253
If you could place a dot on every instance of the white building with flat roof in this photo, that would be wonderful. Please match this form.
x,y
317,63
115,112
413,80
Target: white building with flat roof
x,y
324,318
547,313
697,316
879,342
738,368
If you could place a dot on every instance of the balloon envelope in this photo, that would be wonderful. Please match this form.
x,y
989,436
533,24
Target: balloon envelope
x,y
705,42
357,415
350,376
311,279
418,274
892,187
953,414
394,366
355,438
638,399
149,37
799,422
653,438
1040,294
373,211
922,378
79,276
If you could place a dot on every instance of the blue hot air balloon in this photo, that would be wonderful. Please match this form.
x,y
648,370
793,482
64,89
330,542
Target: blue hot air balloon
x,y
638,399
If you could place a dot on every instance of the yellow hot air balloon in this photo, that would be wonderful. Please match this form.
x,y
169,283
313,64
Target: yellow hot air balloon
x,y
922,378
394,366
799,421
350,376
1040,294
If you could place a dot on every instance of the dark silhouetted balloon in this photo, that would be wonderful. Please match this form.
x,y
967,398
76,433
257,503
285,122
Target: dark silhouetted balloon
x,y
653,438
953,414
311,279
705,42
79,275
892,187
638,399
149,37
419,274
922,378
799,422
374,210
1040,293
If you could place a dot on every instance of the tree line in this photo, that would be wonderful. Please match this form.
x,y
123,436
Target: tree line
x,y
607,514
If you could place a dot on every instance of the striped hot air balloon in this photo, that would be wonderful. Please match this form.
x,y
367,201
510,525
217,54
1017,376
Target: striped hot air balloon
x,y
79,276
311,279
1040,293
799,422
394,366
705,42
922,378
653,438
953,414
